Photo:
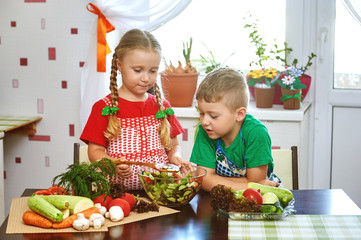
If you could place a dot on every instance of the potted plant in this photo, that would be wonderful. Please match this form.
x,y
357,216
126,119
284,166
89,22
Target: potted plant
x,y
179,84
208,63
304,78
263,82
260,81
291,87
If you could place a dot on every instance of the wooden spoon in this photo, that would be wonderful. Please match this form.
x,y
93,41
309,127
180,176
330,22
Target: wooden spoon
x,y
162,167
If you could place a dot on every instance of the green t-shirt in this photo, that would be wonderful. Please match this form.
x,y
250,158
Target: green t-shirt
x,y
256,146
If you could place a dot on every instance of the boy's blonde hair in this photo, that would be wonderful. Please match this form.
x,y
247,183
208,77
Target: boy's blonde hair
x,y
134,40
224,85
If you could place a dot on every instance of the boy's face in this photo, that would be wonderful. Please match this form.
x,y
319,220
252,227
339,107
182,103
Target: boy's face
x,y
219,121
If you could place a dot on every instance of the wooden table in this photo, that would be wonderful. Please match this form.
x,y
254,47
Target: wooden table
x,y
199,221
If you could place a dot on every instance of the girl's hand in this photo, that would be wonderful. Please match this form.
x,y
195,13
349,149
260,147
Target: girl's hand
x,y
124,170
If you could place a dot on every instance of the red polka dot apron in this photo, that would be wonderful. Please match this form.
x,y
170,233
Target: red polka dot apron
x,y
139,141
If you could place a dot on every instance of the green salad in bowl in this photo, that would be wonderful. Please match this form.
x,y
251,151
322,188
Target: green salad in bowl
x,y
171,189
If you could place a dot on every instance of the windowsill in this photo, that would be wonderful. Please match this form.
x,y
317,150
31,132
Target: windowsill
x,y
276,113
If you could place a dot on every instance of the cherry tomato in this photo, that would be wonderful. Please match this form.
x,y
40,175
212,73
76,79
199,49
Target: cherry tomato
x,y
253,195
58,190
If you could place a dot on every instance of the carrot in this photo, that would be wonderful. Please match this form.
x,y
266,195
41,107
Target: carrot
x,y
34,219
68,222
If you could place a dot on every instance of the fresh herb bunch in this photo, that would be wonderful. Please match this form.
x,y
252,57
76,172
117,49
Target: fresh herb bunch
x,y
88,180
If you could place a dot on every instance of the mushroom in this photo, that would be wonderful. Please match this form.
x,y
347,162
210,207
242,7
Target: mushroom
x,y
102,209
115,214
96,220
81,223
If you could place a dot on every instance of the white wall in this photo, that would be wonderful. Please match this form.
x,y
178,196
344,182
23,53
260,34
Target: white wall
x,y
38,89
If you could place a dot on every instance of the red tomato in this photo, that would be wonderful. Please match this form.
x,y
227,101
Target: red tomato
x,y
121,203
130,199
253,195
100,199
58,190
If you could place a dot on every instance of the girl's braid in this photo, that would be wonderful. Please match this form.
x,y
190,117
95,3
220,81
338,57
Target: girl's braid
x,y
114,126
164,128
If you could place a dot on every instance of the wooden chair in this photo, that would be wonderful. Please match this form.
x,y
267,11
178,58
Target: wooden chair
x,y
80,153
286,166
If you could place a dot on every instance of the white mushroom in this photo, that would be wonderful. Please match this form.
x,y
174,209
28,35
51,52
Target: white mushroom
x,y
96,220
101,208
115,214
81,223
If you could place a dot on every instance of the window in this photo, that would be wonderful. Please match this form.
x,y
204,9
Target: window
x,y
347,71
218,26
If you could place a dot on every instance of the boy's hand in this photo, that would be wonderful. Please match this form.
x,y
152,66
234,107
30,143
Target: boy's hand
x,y
184,166
269,183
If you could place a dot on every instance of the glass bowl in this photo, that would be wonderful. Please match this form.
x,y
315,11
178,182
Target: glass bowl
x,y
171,189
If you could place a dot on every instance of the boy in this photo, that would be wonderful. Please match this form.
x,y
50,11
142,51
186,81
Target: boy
x,y
232,145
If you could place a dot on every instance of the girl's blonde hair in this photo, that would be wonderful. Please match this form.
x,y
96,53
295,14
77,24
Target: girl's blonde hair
x,y
224,85
134,40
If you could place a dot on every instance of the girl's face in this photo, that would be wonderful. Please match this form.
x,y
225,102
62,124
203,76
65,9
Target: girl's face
x,y
139,69
219,122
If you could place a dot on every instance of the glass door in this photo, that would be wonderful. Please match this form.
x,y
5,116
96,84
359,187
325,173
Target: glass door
x,y
337,126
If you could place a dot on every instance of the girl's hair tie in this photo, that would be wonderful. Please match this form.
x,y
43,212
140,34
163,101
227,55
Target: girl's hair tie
x,y
164,113
108,110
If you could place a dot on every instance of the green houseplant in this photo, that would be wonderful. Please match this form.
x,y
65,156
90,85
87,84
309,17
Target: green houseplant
x,y
208,63
283,56
179,84
261,81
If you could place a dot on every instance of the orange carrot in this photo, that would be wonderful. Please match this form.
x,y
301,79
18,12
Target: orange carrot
x,y
34,219
68,222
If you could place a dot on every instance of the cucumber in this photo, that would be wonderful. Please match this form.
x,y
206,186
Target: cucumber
x,y
283,194
58,202
76,203
45,209
268,208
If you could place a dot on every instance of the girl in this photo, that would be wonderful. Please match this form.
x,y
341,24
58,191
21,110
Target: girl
x,y
131,123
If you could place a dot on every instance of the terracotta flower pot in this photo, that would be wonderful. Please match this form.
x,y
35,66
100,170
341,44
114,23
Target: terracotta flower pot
x,y
305,79
264,97
291,102
179,88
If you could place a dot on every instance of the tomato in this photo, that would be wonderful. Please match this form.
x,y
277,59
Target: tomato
x,y
121,203
253,195
100,199
147,180
130,199
58,190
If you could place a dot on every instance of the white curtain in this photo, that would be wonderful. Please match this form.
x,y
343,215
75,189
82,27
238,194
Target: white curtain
x,y
354,8
123,15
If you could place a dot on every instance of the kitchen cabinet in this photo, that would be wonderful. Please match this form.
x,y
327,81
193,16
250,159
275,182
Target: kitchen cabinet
x,y
12,124
286,127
